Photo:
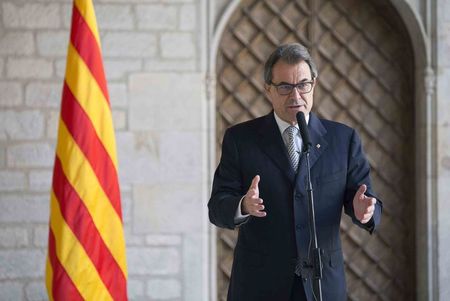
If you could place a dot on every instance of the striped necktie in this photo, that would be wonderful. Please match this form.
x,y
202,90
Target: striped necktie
x,y
291,132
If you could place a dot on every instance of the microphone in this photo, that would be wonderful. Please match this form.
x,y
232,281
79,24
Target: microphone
x,y
316,261
303,131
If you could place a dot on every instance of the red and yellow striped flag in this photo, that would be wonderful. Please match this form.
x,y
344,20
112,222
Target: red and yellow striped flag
x,y
86,249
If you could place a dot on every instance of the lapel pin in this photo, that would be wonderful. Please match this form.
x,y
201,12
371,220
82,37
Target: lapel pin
x,y
318,145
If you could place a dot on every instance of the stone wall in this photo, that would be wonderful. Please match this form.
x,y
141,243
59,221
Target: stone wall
x,y
155,55
152,56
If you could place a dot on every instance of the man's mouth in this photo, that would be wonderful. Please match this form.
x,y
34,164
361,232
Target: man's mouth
x,y
295,106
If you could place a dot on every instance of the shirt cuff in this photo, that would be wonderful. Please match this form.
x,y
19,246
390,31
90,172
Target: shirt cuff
x,y
240,218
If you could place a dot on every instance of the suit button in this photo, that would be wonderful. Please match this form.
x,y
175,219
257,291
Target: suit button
x,y
298,227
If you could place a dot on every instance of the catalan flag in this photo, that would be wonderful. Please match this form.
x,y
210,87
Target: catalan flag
x,y
86,249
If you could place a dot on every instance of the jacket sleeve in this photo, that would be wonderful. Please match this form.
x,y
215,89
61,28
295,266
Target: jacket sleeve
x,y
358,174
227,189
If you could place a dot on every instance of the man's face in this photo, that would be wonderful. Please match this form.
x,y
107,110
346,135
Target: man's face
x,y
287,106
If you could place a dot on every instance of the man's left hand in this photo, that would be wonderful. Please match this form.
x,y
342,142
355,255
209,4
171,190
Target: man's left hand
x,y
363,205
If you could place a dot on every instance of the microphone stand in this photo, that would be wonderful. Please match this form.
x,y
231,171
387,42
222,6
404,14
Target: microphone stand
x,y
316,263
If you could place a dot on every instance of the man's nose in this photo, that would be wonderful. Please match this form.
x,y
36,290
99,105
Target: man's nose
x,y
296,93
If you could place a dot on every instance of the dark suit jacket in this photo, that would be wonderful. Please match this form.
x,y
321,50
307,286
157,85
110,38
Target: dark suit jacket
x,y
268,247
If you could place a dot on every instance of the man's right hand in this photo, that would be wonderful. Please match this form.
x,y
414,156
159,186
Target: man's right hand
x,y
252,204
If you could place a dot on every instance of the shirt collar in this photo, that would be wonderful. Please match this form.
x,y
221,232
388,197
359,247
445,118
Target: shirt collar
x,y
283,125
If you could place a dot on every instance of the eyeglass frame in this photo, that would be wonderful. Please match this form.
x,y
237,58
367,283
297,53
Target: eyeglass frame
x,y
294,86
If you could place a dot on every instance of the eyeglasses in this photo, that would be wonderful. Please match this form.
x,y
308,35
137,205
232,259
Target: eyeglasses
x,y
286,89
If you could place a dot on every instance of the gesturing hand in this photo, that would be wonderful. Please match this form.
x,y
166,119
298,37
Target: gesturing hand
x,y
252,204
363,205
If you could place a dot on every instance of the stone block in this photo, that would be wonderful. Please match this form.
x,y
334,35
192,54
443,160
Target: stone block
x,y
177,45
40,236
17,43
118,95
159,17
129,44
180,165
10,94
13,237
2,156
155,207
442,91
119,69
194,262
60,68
66,15
131,239
161,101
52,123
2,64
30,155
18,264
53,43
36,291
21,125
138,157
170,65
443,218
27,68
40,180
11,291
188,17
119,119
152,261
163,240
26,208
443,44
114,16
12,180
31,15
164,288
126,203
43,95
135,288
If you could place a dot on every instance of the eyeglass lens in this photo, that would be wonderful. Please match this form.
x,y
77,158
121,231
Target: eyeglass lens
x,y
285,89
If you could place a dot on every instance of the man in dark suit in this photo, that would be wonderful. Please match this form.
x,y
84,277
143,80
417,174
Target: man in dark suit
x,y
260,186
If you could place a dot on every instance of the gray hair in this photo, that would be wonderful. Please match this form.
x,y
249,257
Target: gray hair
x,y
292,53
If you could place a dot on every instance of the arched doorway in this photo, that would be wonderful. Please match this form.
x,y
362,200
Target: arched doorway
x,y
366,80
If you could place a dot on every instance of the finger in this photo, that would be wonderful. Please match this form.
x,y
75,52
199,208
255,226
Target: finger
x,y
361,190
255,183
366,218
259,207
259,213
369,209
372,201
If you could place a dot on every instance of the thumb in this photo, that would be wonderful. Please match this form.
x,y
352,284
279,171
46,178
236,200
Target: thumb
x,y
362,189
255,183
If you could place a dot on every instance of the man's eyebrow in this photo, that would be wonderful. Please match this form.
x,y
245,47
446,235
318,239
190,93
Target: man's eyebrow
x,y
302,81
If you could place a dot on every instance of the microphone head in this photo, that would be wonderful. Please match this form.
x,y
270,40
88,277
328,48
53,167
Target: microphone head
x,y
301,120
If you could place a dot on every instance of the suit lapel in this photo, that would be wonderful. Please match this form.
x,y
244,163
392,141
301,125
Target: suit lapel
x,y
316,132
272,144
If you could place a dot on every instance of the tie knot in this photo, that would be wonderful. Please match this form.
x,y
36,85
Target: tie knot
x,y
291,131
